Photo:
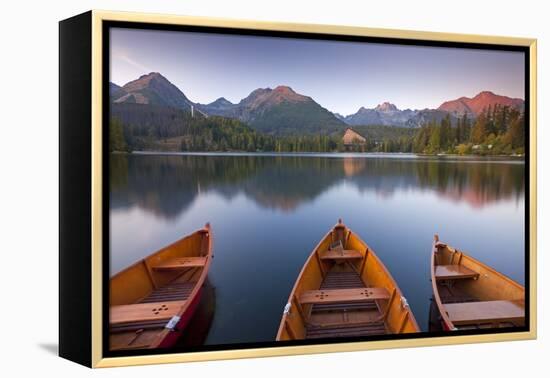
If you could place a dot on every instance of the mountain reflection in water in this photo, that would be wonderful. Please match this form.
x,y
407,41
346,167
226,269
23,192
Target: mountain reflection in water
x,y
167,185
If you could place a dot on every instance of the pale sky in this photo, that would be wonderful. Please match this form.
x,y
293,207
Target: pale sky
x,y
340,76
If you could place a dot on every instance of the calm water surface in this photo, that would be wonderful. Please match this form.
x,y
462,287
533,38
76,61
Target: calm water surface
x,y
268,212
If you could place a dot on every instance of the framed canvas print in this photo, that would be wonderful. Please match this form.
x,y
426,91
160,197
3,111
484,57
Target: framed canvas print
x,y
235,189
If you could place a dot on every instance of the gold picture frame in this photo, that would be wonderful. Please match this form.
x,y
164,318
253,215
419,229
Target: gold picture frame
x,y
97,18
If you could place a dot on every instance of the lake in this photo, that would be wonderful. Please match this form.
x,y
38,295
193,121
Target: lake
x,y
268,212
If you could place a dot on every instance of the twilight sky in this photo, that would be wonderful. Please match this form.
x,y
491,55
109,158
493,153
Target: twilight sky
x,y
340,76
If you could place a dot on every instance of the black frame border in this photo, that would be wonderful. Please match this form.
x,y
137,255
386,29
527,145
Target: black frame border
x,y
75,193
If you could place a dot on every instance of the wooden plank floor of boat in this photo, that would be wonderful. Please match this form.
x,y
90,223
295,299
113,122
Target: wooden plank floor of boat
x,y
455,296
176,291
344,319
141,334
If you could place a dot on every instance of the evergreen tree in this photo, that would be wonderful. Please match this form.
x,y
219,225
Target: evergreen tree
x,y
435,139
479,131
446,133
515,135
465,129
117,141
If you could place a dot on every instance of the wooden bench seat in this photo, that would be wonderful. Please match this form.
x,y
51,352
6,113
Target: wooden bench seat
x,y
342,254
181,263
343,295
485,312
141,312
454,272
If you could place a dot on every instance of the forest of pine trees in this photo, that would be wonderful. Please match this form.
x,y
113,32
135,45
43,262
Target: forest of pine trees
x,y
117,141
499,130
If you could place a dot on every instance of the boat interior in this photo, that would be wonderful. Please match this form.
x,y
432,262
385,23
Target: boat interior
x,y
147,295
344,290
473,295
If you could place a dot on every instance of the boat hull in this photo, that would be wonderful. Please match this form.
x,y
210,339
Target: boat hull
x,y
173,336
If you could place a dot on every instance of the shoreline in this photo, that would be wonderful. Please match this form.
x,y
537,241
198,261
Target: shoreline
x,y
388,155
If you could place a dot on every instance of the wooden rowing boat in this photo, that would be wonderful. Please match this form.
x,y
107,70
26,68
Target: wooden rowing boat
x,y
344,290
152,301
470,295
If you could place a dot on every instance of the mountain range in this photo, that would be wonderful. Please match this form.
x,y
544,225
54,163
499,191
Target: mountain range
x,y
388,114
384,114
282,111
151,89
474,106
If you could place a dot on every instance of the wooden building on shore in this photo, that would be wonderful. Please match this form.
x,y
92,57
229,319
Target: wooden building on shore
x,y
353,138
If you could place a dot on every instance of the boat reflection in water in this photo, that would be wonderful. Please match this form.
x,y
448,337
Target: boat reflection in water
x,y
199,326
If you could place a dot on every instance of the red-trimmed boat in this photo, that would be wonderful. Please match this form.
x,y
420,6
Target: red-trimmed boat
x,y
152,301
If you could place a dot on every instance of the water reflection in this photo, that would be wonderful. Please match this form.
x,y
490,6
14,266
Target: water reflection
x,y
268,212
197,329
167,185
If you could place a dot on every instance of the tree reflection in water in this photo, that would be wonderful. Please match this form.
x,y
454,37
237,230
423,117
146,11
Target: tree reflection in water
x,y
167,185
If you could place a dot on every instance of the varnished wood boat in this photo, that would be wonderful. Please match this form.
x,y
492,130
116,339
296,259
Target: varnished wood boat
x,y
470,295
152,301
344,290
